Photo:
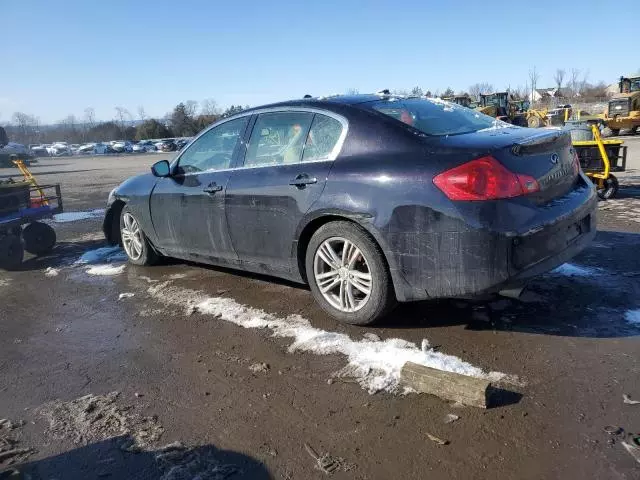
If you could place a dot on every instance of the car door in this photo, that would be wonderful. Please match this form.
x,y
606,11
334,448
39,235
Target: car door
x,y
187,208
287,161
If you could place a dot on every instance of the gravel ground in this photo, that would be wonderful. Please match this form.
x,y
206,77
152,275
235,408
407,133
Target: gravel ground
x,y
120,376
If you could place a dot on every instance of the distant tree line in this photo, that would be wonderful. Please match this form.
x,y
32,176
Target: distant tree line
x,y
185,120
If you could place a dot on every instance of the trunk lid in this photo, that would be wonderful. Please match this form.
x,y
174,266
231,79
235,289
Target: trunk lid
x,y
545,154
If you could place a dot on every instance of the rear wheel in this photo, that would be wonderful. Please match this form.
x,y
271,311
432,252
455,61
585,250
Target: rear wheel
x,y
135,242
39,238
634,130
609,188
348,275
534,122
11,252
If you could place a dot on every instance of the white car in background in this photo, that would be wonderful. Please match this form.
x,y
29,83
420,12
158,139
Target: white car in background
x,y
122,146
86,148
144,146
59,149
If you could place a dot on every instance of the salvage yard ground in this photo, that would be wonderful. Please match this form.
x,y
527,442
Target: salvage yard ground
x,y
108,370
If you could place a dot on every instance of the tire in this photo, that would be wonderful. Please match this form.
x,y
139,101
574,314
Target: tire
x,y
140,252
366,260
11,252
610,188
534,122
39,238
634,130
610,132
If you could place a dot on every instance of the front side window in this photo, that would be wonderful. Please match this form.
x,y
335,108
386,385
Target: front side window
x,y
322,139
435,116
278,138
214,149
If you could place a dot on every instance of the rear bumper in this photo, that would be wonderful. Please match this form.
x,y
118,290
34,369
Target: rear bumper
x,y
472,262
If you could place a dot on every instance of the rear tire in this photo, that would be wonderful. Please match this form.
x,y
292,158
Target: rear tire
x,y
135,242
39,238
361,288
610,188
534,122
11,252
634,130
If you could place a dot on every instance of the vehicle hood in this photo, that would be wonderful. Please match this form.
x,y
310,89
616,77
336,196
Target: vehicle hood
x,y
135,186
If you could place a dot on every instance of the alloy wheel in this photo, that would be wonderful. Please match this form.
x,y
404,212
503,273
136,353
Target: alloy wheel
x,y
132,239
342,274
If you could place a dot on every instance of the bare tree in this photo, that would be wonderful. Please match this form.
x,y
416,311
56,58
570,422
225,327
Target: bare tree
x,y
208,106
122,114
559,77
584,82
478,89
142,114
574,75
534,76
89,117
520,92
191,107
27,127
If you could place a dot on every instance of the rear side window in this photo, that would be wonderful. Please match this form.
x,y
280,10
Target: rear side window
x,y
278,138
435,116
323,138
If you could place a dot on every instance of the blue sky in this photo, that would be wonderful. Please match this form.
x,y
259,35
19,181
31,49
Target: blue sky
x,y
61,56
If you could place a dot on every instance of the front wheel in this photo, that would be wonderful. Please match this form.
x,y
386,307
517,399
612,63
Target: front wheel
x,y
134,241
348,275
609,188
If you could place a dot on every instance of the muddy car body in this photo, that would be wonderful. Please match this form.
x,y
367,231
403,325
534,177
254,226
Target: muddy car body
x,y
399,199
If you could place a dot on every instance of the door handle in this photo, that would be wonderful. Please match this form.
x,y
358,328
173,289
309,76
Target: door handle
x,y
212,188
302,180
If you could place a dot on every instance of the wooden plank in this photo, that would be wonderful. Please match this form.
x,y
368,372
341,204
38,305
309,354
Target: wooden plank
x,y
447,385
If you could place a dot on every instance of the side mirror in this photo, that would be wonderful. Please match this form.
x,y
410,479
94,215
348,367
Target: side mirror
x,y
161,169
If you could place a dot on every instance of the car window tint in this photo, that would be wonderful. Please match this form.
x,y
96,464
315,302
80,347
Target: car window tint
x,y
322,139
214,149
278,138
436,117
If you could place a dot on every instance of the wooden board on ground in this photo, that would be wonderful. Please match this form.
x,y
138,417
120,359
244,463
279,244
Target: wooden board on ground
x,y
447,385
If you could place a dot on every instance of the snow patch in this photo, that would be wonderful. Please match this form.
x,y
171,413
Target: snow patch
x,y
103,255
75,216
632,317
571,270
106,270
51,272
124,295
375,364
4,282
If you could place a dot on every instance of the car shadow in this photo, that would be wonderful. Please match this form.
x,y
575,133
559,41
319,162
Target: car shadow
x,y
591,300
64,253
107,459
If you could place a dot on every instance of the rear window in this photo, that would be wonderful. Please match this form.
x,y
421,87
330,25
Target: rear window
x,y
436,117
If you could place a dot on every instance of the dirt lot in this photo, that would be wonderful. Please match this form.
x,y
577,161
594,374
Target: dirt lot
x,y
243,403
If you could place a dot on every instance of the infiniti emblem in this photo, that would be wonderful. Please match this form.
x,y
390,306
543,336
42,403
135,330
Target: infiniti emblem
x,y
554,158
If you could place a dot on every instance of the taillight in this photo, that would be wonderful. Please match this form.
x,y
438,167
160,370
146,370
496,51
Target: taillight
x,y
576,163
484,179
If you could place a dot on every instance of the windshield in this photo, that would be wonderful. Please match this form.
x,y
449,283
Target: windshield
x,y
436,117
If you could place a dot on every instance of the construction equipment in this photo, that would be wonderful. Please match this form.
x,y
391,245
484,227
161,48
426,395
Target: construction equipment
x,y
463,100
598,158
623,110
23,203
502,106
544,117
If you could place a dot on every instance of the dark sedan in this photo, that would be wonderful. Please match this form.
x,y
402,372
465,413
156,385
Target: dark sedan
x,y
370,199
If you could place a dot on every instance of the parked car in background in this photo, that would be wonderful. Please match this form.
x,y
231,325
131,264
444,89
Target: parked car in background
x,y
38,150
370,199
168,145
102,148
180,144
59,149
124,146
86,148
144,146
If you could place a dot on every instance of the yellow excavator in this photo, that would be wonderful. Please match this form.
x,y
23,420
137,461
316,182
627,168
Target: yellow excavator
x,y
623,110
